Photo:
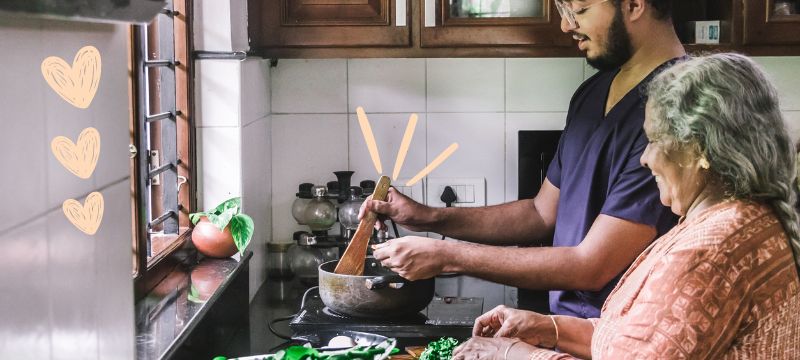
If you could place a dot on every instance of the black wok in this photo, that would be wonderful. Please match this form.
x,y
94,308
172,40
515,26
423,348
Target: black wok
x,y
379,293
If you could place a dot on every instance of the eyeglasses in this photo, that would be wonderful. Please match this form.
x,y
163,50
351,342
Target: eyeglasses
x,y
566,11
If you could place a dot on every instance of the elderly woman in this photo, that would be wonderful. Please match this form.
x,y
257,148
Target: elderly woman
x,y
722,284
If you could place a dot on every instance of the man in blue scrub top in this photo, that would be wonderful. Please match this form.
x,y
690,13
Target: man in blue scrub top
x,y
598,203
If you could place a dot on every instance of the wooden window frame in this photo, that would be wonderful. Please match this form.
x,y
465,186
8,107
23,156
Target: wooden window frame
x,y
148,273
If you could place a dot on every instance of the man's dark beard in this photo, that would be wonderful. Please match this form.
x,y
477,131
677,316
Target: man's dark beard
x,y
618,50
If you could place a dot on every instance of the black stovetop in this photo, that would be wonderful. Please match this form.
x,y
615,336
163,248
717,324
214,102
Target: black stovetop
x,y
436,321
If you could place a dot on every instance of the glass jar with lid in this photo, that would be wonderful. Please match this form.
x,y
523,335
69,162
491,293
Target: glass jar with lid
x,y
320,213
303,197
348,211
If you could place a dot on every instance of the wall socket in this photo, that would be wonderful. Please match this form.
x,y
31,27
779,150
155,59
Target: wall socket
x,y
416,191
470,192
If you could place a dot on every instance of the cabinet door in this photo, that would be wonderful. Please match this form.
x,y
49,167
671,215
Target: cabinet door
x,y
464,23
772,22
328,23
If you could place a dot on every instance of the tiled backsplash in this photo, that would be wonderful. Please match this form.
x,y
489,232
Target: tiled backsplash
x,y
477,103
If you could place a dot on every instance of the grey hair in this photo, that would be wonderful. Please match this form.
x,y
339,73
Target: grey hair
x,y
725,107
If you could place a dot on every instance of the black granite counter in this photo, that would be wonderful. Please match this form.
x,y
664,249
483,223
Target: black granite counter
x,y
199,309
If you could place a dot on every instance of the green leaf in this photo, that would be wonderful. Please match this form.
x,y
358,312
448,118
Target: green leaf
x,y
232,203
195,217
222,220
242,228
194,295
300,353
441,349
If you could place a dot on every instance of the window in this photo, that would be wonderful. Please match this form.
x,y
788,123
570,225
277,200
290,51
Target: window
x,y
162,132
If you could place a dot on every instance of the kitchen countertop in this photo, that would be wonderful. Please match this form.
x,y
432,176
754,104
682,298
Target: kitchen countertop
x,y
168,316
274,299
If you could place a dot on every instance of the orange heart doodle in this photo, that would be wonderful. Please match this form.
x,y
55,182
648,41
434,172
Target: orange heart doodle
x,y
81,158
86,217
77,84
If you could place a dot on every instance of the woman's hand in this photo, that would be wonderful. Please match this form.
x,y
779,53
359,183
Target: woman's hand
x,y
484,348
533,328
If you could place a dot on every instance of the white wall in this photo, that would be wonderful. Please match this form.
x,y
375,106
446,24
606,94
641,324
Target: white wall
x,y
233,124
479,103
65,294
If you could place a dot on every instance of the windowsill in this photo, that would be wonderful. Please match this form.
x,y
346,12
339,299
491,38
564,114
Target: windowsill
x,y
167,315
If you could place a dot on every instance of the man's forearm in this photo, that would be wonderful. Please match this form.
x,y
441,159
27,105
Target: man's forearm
x,y
532,268
512,223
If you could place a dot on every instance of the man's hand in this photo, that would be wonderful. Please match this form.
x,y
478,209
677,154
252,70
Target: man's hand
x,y
502,321
398,207
412,257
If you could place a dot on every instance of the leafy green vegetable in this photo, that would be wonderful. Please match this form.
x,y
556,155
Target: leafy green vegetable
x,y
306,353
441,349
229,212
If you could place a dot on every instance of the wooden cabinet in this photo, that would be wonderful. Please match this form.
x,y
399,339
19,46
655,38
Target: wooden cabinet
x,y
753,27
459,23
482,28
772,22
406,28
327,23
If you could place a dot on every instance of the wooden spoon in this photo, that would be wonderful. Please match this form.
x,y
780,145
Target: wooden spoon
x,y
352,261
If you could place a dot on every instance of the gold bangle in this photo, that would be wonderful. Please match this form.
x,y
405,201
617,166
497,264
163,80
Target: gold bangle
x,y
555,344
505,354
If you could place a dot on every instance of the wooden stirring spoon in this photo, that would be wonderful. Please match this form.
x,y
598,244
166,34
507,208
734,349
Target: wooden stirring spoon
x,y
352,261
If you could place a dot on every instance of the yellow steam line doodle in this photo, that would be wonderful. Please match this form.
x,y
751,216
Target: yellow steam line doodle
x,y
79,158
369,138
434,164
401,154
77,84
87,216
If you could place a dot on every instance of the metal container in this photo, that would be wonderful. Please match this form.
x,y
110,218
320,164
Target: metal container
x,y
379,293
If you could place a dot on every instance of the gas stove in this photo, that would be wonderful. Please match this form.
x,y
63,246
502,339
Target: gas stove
x,y
447,316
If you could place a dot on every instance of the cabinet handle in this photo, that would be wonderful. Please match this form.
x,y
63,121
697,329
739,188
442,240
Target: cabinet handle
x,y
400,13
430,13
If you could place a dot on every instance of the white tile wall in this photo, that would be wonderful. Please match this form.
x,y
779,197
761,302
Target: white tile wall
x,y
255,95
588,70
480,137
526,83
219,165
309,86
465,85
234,145
785,73
792,119
218,92
388,130
212,25
239,36
257,193
305,148
386,85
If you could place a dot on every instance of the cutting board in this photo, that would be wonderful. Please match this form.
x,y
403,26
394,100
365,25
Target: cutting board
x,y
352,261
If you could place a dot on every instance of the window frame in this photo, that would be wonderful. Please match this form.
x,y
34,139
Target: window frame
x,y
147,273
